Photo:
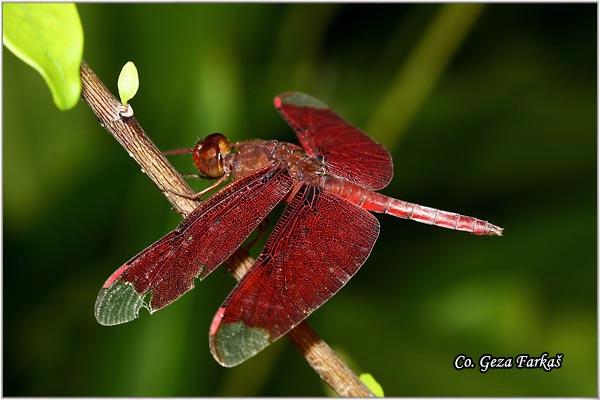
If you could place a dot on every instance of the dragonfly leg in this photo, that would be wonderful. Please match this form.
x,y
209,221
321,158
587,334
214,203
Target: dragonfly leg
x,y
211,187
195,176
186,196
176,152
292,193
197,196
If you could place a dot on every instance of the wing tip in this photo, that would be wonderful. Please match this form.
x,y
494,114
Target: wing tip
x,y
233,343
113,277
216,322
298,99
118,303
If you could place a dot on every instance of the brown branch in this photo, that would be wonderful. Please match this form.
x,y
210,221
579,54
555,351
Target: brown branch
x,y
132,137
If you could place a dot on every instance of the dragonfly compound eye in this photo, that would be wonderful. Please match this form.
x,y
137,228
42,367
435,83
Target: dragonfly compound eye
x,y
208,155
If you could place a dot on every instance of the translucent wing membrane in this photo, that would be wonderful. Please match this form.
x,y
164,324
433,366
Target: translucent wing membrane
x,y
347,151
313,251
166,270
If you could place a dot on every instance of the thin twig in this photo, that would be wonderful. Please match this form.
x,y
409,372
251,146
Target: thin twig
x,y
132,137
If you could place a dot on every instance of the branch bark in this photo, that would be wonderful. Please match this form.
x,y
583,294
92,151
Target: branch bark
x,y
129,133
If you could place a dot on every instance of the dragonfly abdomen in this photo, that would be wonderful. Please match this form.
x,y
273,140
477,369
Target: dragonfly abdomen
x,y
379,203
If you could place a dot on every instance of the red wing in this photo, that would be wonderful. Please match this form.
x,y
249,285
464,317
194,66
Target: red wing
x,y
206,238
347,151
318,244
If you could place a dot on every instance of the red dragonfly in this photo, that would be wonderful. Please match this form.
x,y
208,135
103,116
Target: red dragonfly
x,y
325,234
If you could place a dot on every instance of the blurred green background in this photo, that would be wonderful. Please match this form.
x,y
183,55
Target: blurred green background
x,y
488,111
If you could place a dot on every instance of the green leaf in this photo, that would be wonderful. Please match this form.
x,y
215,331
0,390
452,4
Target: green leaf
x,y
49,37
128,82
372,384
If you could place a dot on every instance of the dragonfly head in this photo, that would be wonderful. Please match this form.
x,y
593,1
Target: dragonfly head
x,y
208,155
